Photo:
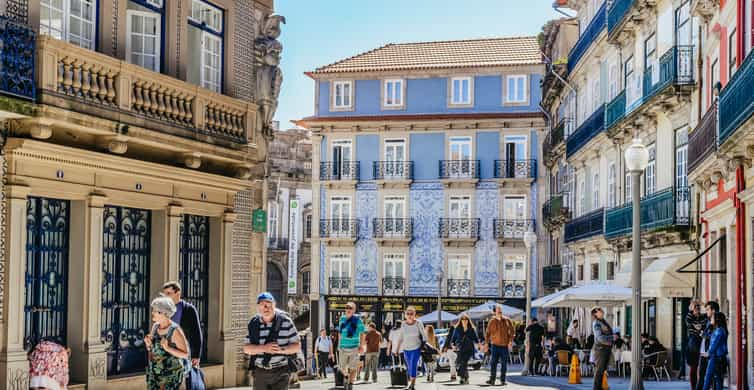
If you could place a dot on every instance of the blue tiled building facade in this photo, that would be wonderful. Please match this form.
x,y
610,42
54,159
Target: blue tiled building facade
x,y
426,174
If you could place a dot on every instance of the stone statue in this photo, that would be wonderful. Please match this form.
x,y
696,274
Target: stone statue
x,y
269,76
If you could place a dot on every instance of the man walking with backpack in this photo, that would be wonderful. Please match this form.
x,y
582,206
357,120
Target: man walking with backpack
x,y
273,340
352,339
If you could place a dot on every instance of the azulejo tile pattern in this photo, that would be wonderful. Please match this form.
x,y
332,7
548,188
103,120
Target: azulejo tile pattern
x,y
426,255
366,248
322,260
486,251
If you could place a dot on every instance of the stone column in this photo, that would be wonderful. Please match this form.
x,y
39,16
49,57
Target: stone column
x,y
224,269
13,364
174,215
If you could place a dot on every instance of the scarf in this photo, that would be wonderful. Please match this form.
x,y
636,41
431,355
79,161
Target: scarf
x,y
351,323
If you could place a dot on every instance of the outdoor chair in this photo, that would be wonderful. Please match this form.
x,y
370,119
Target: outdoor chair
x,y
515,354
563,363
658,363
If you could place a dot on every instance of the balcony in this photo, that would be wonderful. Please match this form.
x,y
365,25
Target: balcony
x,y
459,287
17,59
514,288
616,13
394,286
585,226
459,230
593,126
702,141
615,110
666,209
512,229
277,243
552,146
392,230
339,230
459,171
555,211
676,68
393,172
552,276
589,35
340,285
73,78
516,169
737,100
345,173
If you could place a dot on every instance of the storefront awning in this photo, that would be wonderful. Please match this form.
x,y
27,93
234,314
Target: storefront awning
x,y
659,279
586,296
684,269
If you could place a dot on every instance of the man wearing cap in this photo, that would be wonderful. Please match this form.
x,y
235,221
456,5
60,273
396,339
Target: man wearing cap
x,y
352,340
270,353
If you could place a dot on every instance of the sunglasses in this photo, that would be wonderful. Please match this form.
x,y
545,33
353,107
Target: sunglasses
x,y
350,308
410,313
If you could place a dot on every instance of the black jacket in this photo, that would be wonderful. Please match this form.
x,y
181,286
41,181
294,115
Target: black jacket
x,y
192,329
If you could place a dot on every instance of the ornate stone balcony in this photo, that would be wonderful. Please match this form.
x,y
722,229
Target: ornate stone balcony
x,y
625,16
555,211
590,128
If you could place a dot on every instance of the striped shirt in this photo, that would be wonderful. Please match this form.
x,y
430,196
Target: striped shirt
x,y
286,336
695,324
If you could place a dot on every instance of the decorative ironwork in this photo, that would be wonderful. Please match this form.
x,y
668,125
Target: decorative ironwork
x,y
616,12
395,228
589,35
17,10
513,228
702,141
585,226
461,228
459,287
346,170
552,275
193,270
737,100
514,288
339,228
615,110
555,210
516,169
394,285
393,170
459,169
663,209
17,59
340,285
676,67
46,277
589,129
125,287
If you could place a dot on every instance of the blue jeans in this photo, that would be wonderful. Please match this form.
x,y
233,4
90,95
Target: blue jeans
x,y
498,353
714,375
412,361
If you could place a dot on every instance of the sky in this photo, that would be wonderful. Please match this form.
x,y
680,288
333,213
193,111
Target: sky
x,y
320,32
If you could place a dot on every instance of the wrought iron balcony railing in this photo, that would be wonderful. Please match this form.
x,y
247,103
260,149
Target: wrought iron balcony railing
x,y
512,228
459,169
552,275
616,13
615,110
556,137
585,226
17,59
702,141
555,210
663,209
591,127
393,228
676,67
589,35
339,228
394,285
514,288
340,285
516,169
459,287
737,100
393,170
459,228
344,170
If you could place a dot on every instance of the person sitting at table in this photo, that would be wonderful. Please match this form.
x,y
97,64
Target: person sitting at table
x,y
558,345
644,342
650,353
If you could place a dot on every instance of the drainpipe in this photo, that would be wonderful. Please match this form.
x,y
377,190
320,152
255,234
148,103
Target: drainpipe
x,y
741,278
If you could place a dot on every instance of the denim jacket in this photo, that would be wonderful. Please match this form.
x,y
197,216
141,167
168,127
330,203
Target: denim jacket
x,y
719,343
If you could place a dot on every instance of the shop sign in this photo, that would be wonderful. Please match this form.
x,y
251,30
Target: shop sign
x,y
259,221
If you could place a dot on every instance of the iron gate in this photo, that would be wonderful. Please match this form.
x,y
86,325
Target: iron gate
x,y
46,276
193,269
125,287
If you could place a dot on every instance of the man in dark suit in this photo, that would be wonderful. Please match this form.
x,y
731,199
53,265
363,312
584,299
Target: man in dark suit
x,y
187,317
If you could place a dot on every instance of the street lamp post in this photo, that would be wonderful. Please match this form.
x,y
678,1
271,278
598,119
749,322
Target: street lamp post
x,y
530,239
637,159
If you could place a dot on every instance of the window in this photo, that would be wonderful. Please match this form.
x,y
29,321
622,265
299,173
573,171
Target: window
x,y
582,196
394,212
650,49
308,226
513,267
681,176
459,207
460,90
394,265
342,94
715,74
595,271
340,215
514,207
144,36
393,93
732,52
580,272
460,153
340,266
306,281
395,155
205,41
516,89
610,270
611,201
341,159
596,191
650,175
69,20
459,267
683,24
272,232
596,97
614,80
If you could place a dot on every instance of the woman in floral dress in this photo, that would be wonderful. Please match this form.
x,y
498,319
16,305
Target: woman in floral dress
x,y
167,348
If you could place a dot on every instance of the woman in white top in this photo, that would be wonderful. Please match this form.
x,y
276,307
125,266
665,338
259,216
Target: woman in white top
x,y
410,340
572,333
324,352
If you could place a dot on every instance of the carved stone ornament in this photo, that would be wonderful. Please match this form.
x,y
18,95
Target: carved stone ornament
x,y
267,51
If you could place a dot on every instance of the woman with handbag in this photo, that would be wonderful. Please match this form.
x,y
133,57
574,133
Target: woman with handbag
x,y
410,340
166,347
465,340
432,342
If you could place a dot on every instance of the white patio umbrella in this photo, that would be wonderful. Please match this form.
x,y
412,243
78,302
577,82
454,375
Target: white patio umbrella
x,y
431,318
584,296
486,310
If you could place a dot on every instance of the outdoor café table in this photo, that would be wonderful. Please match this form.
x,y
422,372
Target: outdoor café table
x,y
625,358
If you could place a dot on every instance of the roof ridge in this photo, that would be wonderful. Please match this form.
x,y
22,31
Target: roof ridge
x,y
353,56
467,40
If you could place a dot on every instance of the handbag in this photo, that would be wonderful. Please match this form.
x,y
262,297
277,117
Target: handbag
x,y
196,379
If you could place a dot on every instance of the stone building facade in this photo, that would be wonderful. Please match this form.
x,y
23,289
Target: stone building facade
x,y
134,151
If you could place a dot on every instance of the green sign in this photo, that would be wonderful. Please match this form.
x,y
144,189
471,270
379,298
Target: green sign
x,y
259,221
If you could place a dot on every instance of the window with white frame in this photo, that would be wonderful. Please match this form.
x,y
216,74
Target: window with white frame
x,y
460,90
582,196
340,268
650,175
340,215
393,93
595,271
273,223
596,191
207,14
342,94
205,42
596,95
516,91
144,36
73,21
610,270
394,212
611,201
614,81
459,267
394,265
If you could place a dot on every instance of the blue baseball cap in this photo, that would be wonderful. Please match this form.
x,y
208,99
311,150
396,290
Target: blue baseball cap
x,y
265,296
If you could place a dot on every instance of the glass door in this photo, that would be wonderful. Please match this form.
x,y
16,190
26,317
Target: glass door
x,y
340,273
143,43
514,216
515,156
460,157
395,155
681,176
393,280
459,215
341,158
394,215
211,61
459,275
340,215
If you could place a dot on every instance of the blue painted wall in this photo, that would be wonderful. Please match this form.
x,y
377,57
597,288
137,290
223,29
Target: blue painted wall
x,y
426,150
367,152
487,151
429,96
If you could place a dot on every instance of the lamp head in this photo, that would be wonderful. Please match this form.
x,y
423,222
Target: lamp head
x,y
637,156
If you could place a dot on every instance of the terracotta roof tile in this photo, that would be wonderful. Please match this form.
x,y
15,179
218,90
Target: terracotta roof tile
x,y
442,54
